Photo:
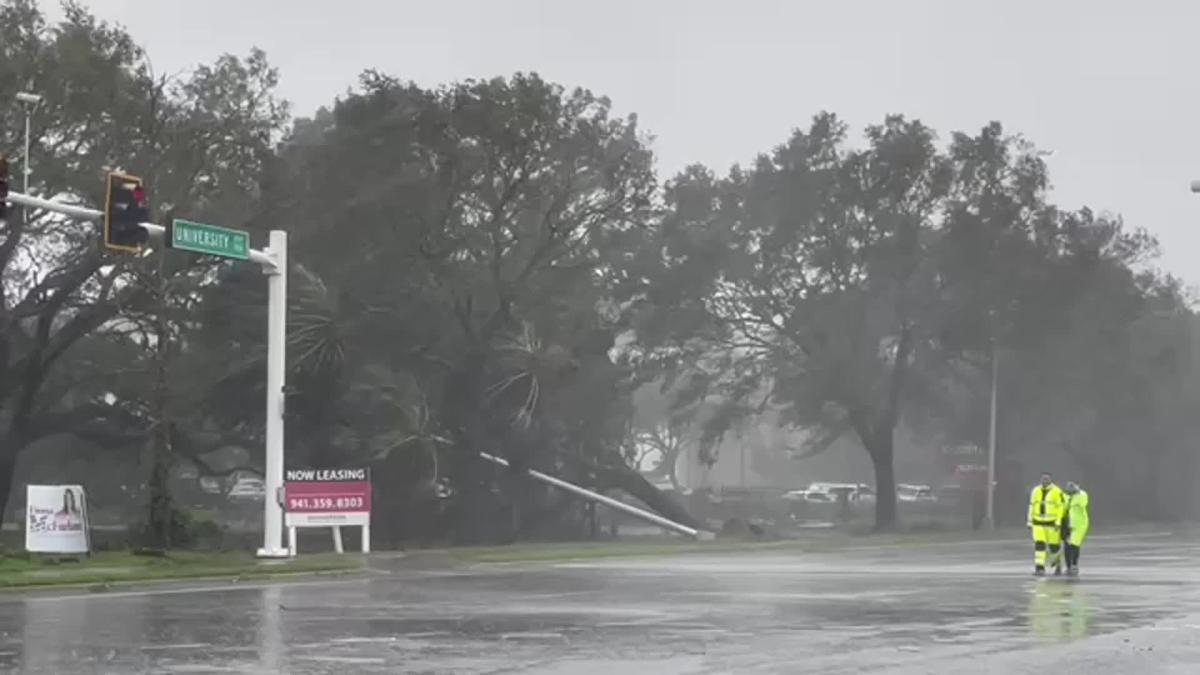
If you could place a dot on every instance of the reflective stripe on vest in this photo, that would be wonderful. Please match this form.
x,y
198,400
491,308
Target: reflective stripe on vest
x,y
1043,520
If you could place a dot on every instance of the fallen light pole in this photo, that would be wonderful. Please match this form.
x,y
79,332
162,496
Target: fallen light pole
x,y
652,518
273,261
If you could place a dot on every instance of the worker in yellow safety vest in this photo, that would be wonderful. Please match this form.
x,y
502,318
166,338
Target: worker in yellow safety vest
x,y
1075,525
1047,507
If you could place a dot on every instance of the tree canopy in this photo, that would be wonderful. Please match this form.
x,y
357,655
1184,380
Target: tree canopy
x,y
494,265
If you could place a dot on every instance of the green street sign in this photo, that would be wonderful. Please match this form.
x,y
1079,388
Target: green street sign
x,y
210,239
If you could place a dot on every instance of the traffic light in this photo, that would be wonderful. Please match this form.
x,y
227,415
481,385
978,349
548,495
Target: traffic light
x,y
3,186
125,210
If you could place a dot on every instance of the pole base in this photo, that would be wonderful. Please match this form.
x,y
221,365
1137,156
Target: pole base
x,y
273,553
987,524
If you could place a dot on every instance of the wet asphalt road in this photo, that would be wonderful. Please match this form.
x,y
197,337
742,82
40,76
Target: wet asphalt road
x,y
930,609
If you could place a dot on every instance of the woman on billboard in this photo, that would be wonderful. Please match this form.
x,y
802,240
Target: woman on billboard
x,y
69,517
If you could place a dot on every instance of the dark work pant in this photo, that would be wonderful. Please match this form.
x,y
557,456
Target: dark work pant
x,y
1072,553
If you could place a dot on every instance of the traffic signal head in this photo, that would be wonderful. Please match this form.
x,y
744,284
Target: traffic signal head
x,y
3,186
125,209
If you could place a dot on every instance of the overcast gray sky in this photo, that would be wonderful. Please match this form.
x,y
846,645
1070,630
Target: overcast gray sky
x,y
1110,87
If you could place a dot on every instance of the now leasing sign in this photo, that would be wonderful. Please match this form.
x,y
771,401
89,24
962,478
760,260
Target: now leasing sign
x,y
327,497
210,239
321,475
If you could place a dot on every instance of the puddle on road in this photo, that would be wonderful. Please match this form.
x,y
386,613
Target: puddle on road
x,y
672,624
345,660
687,665
1061,612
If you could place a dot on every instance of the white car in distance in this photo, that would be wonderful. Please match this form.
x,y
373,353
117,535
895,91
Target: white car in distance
x,y
248,489
915,493
827,493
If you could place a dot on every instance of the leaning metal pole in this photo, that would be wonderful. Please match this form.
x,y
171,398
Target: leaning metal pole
x,y
652,518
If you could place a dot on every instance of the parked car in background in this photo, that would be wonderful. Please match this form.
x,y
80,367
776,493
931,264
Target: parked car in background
x,y
248,489
906,492
796,495
863,493
210,485
825,493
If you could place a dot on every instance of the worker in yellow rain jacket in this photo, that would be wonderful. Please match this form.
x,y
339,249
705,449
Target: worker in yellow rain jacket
x,y
1075,525
1047,507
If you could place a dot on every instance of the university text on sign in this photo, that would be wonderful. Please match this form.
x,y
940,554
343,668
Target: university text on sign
x,y
210,239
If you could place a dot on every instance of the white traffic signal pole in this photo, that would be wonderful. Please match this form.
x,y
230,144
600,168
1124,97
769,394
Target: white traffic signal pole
x,y
274,264
263,258
276,370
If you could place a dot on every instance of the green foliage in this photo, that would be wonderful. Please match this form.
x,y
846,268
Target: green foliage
x,y
188,531
199,140
453,292
490,265
848,290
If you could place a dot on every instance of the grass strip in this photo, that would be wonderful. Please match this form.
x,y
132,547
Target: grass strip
x,y
18,572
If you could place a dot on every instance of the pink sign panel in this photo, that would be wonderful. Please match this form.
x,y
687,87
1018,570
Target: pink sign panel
x,y
972,476
327,491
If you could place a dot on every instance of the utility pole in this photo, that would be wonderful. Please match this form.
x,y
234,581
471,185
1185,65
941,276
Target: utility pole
x,y
30,102
274,264
159,520
989,514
